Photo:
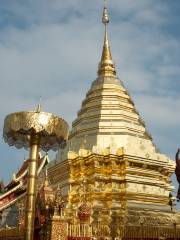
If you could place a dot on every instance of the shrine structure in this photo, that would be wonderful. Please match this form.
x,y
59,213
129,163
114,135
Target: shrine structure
x,y
110,181
128,186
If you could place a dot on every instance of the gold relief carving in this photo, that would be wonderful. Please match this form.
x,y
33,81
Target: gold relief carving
x,y
149,219
115,186
59,230
104,191
120,151
106,151
101,185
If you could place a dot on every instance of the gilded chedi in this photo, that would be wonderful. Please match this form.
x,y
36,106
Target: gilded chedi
x,y
109,123
128,182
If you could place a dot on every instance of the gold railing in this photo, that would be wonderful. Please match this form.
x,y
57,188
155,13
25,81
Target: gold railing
x,y
125,232
79,230
146,232
99,231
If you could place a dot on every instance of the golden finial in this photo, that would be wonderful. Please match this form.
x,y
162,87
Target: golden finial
x,y
106,66
105,18
39,107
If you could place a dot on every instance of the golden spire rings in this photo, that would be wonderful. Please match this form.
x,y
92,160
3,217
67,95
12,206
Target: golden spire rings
x,y
106,66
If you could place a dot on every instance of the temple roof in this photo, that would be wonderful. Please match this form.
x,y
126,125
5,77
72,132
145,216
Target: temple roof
x,y
16,189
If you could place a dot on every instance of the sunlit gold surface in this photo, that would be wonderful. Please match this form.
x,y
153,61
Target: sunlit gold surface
x,y
31,188
125,192
19,126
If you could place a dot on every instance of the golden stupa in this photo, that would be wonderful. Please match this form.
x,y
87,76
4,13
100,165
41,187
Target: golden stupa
x,y
128,186
110,181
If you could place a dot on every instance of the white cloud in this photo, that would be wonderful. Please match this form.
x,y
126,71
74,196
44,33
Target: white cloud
x,y
55,55
166,109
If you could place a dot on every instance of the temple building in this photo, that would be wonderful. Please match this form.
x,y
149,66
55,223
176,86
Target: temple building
x,y
110,179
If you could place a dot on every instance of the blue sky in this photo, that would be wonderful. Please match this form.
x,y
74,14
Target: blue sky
x,y
52,49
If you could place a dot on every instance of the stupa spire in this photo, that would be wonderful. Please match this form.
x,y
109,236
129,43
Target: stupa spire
x,y
106,65
39,106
